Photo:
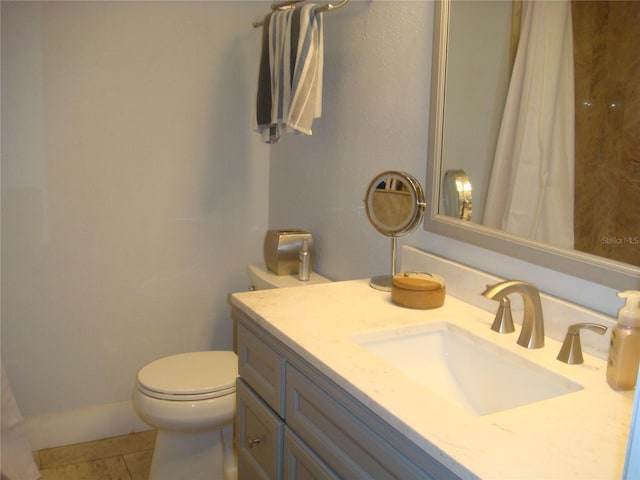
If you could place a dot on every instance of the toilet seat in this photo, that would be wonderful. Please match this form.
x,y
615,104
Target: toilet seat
x,y
190,376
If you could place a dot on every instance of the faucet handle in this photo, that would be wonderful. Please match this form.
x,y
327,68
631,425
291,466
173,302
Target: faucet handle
x,y
571,351
503,323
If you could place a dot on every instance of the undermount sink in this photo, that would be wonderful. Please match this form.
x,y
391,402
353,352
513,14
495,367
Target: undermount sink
x,y
465,369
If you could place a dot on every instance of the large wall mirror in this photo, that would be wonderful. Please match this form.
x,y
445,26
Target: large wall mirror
x,y
570,200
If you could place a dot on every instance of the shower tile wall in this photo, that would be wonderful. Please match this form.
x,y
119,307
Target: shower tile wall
x,y
607,170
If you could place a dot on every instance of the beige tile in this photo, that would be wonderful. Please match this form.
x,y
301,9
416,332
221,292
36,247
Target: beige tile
x,y
109,469
86,452
607,69
138,464
68,472
104,469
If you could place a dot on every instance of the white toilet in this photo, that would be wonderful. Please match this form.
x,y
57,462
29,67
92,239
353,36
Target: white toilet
x,y
190,399
262,279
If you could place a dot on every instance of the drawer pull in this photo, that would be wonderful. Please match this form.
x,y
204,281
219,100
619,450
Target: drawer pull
x,y
254,442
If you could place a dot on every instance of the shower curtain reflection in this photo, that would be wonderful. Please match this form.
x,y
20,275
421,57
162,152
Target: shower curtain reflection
x,y
531,190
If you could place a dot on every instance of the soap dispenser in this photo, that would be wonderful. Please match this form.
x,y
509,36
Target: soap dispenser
x,y
624,349
304,269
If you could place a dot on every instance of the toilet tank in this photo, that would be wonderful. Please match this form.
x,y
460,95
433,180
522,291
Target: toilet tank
x,y
263,279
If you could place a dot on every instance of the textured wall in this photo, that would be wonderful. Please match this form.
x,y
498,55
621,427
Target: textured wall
x,y
133,191
376,94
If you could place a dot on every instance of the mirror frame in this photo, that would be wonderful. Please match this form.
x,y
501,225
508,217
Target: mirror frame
x,y
589,267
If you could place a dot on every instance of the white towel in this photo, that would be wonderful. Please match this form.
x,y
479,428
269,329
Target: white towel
x,y
295,73
306,91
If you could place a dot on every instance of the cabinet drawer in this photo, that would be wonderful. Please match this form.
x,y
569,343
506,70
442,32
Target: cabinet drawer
x,y
300,463
259,437
345,443
262,368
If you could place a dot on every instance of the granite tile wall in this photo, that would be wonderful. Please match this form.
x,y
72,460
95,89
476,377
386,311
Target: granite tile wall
x,y
607,169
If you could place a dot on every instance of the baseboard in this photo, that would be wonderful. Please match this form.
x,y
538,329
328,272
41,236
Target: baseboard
x,y
83,425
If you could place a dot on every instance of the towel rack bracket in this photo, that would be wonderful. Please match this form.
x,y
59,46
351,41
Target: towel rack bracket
x,y
327,7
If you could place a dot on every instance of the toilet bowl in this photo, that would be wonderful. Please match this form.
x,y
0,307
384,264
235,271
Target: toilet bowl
x,y
190,399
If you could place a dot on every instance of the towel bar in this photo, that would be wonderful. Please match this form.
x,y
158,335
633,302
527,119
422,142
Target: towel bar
x,y
323,8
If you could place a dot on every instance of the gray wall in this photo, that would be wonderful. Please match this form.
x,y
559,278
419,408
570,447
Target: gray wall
x,y
375,118
133,191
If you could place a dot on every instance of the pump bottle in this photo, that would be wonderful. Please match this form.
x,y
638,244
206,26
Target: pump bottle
x,y
304,269
624,349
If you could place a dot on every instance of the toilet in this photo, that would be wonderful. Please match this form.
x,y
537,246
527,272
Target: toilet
x,y
263,279
190,399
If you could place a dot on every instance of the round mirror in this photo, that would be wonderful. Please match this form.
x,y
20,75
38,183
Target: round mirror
x,y
395,203
395,206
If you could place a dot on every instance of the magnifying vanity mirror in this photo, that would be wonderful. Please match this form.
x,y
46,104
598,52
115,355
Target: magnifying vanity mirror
x,y
469,111
395,206
457,201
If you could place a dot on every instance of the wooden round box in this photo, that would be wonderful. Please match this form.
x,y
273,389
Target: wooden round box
x,y
418,290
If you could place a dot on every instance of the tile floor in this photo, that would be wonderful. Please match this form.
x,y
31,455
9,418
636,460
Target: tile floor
x,y
127,457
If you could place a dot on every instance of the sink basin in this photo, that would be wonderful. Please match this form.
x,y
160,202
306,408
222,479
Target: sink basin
x,y
465,369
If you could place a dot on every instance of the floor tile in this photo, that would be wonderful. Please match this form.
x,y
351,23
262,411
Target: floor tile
x,y
138,464
104,469
95,450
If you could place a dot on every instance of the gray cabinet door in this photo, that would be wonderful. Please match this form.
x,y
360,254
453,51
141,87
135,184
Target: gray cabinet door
x,y
346,443
301,463
262,368
259,437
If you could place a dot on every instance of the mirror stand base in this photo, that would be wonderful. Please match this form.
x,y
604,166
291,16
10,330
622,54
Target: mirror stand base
x,y
382,282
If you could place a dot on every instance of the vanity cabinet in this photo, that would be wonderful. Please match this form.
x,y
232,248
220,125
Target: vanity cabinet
x,y
293,422
261,436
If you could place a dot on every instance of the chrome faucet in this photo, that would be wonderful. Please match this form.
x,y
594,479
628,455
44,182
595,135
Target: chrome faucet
x,y
532,333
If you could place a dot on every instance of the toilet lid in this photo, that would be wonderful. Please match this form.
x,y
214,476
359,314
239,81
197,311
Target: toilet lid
x,y
202,374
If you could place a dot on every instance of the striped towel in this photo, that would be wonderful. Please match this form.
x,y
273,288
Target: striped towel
x,y
306,89
290,79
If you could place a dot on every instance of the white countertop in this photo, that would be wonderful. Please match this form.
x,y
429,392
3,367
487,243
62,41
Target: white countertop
x,y
581,435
